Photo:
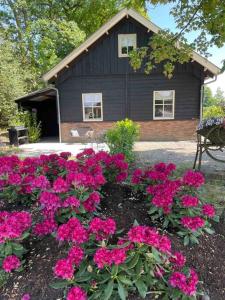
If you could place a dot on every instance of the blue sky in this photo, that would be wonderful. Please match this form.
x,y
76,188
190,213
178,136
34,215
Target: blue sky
x,y
160,16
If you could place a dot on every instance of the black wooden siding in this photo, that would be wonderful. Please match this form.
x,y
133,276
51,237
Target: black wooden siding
x,y
125,93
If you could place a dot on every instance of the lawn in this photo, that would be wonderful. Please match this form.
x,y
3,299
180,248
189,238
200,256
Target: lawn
x,y
86,227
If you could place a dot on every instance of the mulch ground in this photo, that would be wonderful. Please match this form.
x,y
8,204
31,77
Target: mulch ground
x,y
119,202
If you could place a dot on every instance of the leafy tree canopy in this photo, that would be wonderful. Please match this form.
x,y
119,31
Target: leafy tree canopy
x,y
204,17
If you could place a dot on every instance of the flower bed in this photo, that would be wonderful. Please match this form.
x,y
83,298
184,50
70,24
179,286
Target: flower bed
x,y
97,261
213,129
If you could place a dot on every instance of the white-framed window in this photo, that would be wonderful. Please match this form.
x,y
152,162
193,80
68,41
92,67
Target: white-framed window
x,y
163,104
92,107
126,43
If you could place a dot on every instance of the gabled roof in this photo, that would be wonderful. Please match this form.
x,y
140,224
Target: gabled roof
x,y
106,27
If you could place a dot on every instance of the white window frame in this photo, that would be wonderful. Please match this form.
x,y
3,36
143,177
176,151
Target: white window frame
x,y
120,36
83,107
163,118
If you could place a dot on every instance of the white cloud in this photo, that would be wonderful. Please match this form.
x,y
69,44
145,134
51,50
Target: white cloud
x,y
220,82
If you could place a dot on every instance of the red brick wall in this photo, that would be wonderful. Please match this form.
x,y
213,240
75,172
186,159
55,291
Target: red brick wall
x,y
160,130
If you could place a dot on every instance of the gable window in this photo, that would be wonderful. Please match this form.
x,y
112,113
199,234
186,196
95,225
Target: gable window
x,y
92,107
126,43
163,106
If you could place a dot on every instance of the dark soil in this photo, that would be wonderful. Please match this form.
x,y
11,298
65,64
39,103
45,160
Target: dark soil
x,y
119,202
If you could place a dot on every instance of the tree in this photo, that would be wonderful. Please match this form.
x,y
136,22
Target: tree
x,y
12,82
219,96
208,100
44,32
204,17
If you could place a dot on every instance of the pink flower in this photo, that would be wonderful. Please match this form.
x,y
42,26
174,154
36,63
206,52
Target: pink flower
x,y
64,269
103,258
118,256
49,201
14,179
13,225
121,177
45,227
26,297
71,202
208,210
178,280
40,182
189,201
76,255
10,263
137,176
187,285
102,228
192,223
73,231
60,185
193,178
76,293
178,260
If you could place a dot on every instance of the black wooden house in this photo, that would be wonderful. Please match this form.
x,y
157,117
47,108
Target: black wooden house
x,y
94,86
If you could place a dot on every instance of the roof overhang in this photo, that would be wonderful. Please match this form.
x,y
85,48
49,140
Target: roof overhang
x,y
104,30
38,96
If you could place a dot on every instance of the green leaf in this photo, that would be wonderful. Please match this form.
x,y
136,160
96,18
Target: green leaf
x,y
142,288
194,239
109,290
59,284
209,230
133,262
186,240
8,249
114,270
125,280
156,255
122,292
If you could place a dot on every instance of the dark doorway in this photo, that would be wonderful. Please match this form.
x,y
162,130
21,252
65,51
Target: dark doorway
x,y
43,103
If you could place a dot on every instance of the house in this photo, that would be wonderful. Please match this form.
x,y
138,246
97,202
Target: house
x,y
94,86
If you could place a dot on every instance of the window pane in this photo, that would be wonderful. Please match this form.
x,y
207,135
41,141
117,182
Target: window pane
x,y
124,50
88,113
168,111
92,100
158,101
168,101
97,112
130,48
164,95
159,111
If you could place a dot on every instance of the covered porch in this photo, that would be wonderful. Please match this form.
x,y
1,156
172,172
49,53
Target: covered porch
x,y
45,103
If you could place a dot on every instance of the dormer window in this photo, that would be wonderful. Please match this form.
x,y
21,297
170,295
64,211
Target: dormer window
x,y
126,43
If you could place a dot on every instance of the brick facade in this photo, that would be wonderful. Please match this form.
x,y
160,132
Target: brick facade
x,y
160,130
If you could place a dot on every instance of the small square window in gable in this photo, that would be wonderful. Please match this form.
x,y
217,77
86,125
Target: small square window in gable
x,y
126,43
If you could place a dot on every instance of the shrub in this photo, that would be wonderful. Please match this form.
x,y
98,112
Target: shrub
x,y
213,111
29,120
175,202
140,261
121,138
14,228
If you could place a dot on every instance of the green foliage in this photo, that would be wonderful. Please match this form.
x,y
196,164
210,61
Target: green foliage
x,y
205,18
213,111
209,99
29,120
11,82
34,127
121,138
161,49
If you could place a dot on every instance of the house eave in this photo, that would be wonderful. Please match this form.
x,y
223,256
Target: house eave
x,y
104,30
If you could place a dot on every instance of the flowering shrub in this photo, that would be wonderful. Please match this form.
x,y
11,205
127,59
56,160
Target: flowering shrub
x,y
14,228
175,202
140,261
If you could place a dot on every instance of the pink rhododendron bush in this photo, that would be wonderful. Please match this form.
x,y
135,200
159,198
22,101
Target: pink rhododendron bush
x,y
140,261
174,201
14,229
59,196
